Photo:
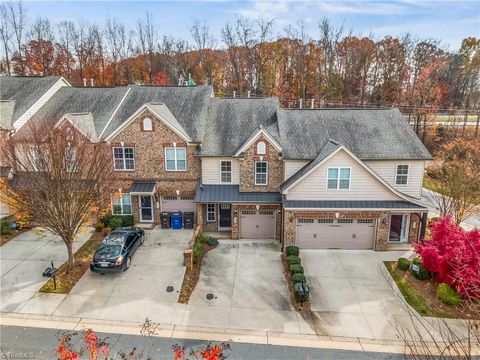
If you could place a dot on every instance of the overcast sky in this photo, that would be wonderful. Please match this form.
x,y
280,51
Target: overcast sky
x,y
448,21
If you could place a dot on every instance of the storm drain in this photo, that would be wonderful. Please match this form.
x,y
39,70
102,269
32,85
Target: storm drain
x,y
210,296
170,288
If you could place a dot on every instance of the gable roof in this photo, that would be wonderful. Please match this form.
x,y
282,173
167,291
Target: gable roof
x,y
232,121
369,133
188,105
25,90
83,122
101,103
260,131
162,112
7,108
330,147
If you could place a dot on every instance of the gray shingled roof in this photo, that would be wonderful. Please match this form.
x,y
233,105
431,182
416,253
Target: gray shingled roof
x,y
162,111
7,107
189,105
26,91
99,102
329,148
231,193
350,204
368,133
232,121
85,123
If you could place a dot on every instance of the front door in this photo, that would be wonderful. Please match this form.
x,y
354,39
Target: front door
x,y
225,218
146,208
398,228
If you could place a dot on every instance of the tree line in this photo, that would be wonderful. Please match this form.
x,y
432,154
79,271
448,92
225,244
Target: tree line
x,y
335,67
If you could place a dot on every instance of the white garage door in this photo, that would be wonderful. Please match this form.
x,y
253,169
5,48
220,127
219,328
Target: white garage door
x,y
178,203
257,224
335,234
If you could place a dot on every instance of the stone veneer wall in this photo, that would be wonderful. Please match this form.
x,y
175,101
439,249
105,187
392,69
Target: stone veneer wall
x,y
247,168
414,230
381,231
236,208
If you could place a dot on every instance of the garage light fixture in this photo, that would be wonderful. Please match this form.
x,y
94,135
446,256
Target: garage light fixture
x,y
337,215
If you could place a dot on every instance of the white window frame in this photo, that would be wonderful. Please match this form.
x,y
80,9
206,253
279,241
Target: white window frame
x,y
123,158
214,212
71,159
396,174
226,172
261,148
266,173
143,124
121,204
339,169
175,148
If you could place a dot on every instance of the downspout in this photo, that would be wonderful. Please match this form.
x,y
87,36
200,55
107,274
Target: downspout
x,y
423,227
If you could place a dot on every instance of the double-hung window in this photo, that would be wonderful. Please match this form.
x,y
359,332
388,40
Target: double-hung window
x,y
261,173
210,212
401,177
175,159
338,178
121,204
124,158
226,171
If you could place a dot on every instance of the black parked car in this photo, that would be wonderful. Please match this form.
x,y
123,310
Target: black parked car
x,y
117,249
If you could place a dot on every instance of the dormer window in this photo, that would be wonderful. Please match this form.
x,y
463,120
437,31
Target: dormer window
x,y
69,134
147,124
261,148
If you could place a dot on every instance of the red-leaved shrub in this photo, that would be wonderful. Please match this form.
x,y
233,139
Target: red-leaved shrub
x,y
453,255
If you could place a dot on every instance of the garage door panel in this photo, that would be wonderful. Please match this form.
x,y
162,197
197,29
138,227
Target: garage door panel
x,y
335,234
180,203
257,224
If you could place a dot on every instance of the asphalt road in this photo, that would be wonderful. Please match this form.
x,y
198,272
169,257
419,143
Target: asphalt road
x,y
37,343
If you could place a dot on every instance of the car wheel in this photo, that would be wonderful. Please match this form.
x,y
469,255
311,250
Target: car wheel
x,y
127,263
142,239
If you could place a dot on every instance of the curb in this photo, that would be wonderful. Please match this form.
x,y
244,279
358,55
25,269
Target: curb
x,y
207,334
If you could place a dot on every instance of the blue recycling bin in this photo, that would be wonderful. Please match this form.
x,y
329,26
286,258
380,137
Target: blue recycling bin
x,y
176,220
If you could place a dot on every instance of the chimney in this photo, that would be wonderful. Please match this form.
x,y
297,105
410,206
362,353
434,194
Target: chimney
x,y
91,82
248,93
300,105
84,82
234,93
312,103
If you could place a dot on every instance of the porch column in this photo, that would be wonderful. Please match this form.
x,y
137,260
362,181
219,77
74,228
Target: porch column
x,y
423,227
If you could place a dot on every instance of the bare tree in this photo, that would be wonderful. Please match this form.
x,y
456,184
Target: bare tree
x,y
147,39
230,39
66,33
6,34
203,41
61,179
300,41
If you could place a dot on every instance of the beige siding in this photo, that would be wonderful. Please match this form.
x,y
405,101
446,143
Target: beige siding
x,y
387,169
40,102
363,185
211,170
292,166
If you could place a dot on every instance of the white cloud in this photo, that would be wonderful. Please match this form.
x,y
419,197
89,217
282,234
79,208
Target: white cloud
x,y
361,7
269,9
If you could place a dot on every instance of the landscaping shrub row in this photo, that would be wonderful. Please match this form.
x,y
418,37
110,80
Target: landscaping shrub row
x,y
112,222
295,275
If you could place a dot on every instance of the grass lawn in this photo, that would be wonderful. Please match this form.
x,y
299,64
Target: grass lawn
x,y
83,257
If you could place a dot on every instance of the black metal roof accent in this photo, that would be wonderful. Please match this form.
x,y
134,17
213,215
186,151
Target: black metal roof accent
x,y
350,204
142,187
232,194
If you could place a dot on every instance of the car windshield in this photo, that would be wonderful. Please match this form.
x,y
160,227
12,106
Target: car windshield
x,y
109,251
114,238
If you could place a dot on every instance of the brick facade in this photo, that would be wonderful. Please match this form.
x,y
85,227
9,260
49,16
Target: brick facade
x,y
4,136
247,168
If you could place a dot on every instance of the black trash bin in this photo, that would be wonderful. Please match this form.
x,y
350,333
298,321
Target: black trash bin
x,y
188,219
165,220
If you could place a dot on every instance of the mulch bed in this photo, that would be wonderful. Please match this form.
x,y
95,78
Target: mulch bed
x,y
83,257
6,238
191,276
427,289
302,308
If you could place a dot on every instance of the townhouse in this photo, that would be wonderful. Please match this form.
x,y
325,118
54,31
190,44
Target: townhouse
x,y
325,178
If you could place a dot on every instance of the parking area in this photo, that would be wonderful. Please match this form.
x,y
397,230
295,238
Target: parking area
x,y
248,287
23,259
350,295
139,292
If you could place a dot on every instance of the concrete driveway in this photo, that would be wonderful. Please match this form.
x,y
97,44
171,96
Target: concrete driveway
x,y
247,281
23,259
351,296
139,292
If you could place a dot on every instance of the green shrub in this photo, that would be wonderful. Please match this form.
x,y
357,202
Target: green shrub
x,y
298,278
448,295
99,226
301,296
417,261
106,219
292,250
403,264
212,242
293,259
106,230
296,269
421,274
127,220
203,238
115,222
6,227
196,251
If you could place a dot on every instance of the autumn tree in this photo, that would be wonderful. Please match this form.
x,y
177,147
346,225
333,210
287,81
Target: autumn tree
x,y
61,179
